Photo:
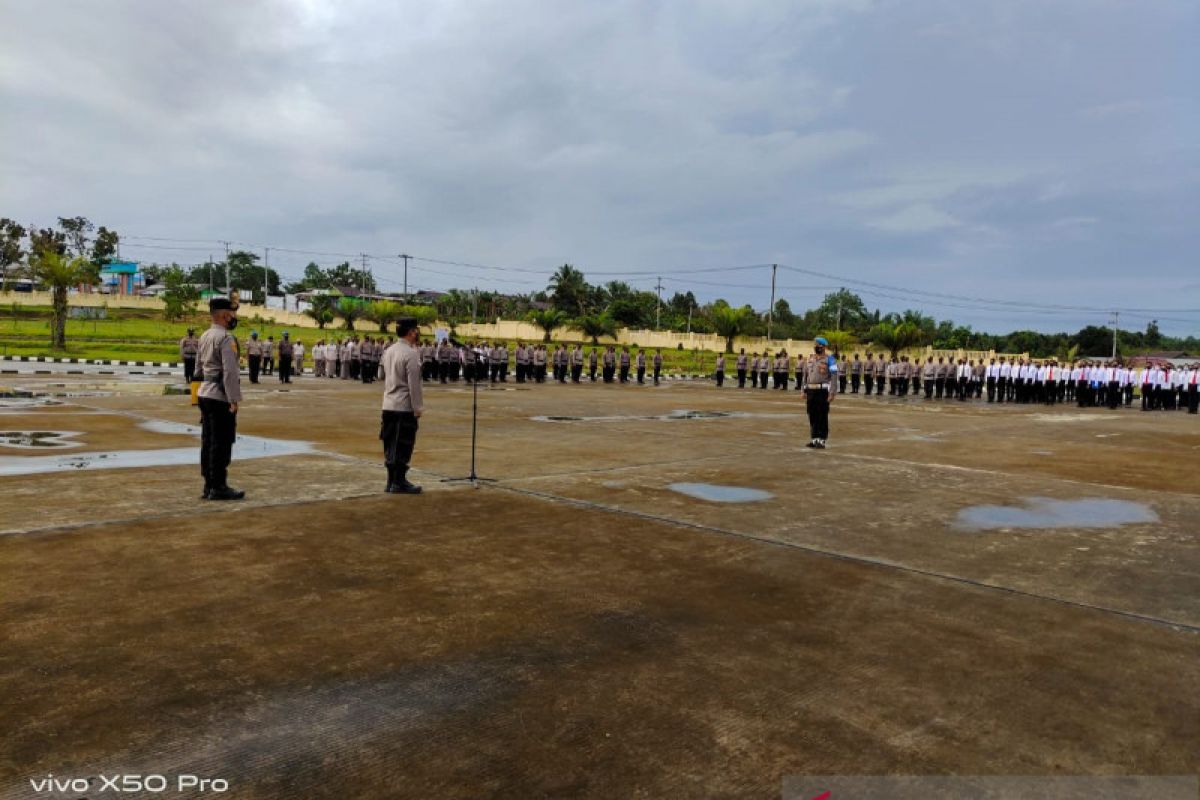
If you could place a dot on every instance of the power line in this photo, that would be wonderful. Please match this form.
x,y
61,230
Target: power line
x,y
982,300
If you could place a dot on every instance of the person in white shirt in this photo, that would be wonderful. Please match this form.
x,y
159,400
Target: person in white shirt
x,y
298,358
1191,386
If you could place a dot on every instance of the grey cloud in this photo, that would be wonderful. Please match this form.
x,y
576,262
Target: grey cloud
x,y
1010,147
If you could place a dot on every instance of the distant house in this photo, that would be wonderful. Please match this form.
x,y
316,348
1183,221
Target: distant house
x,y
121,278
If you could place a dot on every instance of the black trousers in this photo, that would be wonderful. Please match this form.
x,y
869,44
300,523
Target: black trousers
x,y
870,381
285,369
720,377
624,373
741,379
641,374
657,375
255,363
592,372
398,432
189,369
818,413
854,381
842,383
218,429
268,365
929,386
1193,399
608,374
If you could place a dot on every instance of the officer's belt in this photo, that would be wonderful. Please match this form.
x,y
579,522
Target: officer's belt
x,y
817,386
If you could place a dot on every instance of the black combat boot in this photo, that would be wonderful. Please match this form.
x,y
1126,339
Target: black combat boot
x,y
226,493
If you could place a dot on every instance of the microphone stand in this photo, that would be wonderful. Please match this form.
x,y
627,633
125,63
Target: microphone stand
x,y
473,478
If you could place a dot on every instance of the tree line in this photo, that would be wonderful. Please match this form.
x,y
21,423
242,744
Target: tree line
x,y
72,252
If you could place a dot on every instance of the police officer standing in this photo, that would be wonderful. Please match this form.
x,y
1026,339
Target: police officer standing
x,y
219,395
286,351
820,376
189,346
253,355
403,405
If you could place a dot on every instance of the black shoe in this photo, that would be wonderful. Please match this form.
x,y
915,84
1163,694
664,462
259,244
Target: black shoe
x,y
226,493
207,493
404,487
820,444
812,444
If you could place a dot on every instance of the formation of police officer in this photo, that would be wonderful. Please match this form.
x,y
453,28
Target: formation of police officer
x,y
1093,383
349,359
219,394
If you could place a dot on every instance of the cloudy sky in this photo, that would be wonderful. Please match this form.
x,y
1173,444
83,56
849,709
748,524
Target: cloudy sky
x,y
1045,151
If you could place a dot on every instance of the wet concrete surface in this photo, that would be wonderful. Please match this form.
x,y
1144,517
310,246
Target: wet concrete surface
x,y
581,629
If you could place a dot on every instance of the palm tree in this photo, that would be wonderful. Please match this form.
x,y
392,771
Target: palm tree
x,y
729,322
839,340
321,314
424,315
350,309
59,273
569,290
454,305
548,320
597,325
897,336
383,313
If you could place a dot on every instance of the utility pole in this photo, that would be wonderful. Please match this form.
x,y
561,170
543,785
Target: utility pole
x,y
1116,320
405,274
210,278
658,307
228,287
839,316
266,272
690,307
474,303
362,278
771,310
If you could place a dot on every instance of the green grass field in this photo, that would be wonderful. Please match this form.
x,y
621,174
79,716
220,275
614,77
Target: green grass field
x,y
136,335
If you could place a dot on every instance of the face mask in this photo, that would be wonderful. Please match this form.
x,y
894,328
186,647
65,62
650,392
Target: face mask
x,y
820,351
232,323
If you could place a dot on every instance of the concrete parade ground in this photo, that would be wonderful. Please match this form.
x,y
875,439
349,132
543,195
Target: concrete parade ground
x,y
950,589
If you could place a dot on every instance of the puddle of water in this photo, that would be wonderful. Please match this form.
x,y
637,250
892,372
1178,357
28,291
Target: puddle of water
x,y
1045,512
720,494
24,440
246,447
21,403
